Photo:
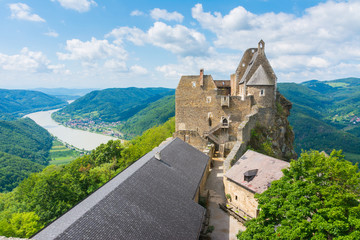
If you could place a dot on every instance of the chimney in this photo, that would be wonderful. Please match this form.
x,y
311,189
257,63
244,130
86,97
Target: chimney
x,y
157,156
201,77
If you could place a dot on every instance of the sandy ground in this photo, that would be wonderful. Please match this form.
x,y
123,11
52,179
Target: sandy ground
x,y
226,227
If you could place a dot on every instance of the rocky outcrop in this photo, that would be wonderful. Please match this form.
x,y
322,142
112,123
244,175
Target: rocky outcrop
x,y
275,139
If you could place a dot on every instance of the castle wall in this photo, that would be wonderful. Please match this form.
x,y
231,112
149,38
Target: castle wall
x,y
241,197
198,108
191,137
264,95
244,135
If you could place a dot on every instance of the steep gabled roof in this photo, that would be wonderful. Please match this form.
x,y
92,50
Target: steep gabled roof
x,y
257,67
260,77
151,199
268,170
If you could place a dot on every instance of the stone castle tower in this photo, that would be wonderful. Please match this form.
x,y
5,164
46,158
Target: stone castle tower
x,y
223,112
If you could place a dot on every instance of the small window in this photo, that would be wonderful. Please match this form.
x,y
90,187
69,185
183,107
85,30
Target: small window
x,y
208,99
262,92
225,122
210,122
235,197
193,84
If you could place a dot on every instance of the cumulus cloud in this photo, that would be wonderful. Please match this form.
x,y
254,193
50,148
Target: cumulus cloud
x,y
134,35
22,11
158,14
325,36
77,5
136,13
28,61
191,65
176,39
91,50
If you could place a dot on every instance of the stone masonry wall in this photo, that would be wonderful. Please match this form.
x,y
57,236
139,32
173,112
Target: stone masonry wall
x,y
241,197
195,104
244,134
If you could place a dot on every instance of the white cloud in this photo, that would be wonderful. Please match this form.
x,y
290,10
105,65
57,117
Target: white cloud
x,y
176,39
191,65
158,14
91,50
115,64
28,61
324,37
139,70
22,11
134,35
136,13
51,33
77,5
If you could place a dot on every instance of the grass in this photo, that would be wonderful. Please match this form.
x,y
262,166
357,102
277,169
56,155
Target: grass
x,y
60,154
337,84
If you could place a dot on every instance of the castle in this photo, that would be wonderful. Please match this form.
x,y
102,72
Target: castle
x,y
224,111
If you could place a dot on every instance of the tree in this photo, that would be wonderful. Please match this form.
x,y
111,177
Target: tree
x,y
317,198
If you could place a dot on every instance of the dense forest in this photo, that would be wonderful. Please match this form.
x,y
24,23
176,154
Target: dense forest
x,y
24,149
44,196
111,105
17,103
322,113
154,114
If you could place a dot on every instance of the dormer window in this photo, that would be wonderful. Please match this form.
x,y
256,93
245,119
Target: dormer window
x,y
250,175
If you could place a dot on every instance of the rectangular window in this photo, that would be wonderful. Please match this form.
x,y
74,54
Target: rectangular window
x,y
262,92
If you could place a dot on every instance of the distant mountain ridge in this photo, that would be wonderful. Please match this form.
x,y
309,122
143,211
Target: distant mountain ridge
x,y
112,104
16,103
321,115
66,93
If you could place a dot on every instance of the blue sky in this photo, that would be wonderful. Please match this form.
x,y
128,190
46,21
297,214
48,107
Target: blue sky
x,y
115,43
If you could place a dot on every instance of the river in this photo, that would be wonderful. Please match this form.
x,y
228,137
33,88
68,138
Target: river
x,y
78,138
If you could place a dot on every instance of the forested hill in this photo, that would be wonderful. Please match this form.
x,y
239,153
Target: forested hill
x,y
46,195
16,103
111,105
24,149
326,115
155,113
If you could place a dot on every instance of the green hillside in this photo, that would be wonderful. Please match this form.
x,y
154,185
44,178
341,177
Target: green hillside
x,y
155,113
321,115
24,148
16,103
111,105
46,195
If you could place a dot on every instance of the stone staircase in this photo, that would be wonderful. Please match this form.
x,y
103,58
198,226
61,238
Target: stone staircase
x,y
210,134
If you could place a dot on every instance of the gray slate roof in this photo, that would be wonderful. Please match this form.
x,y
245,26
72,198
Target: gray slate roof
x,y
269,169
151,199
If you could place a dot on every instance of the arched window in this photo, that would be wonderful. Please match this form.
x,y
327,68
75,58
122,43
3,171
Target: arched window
x,y
225,122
